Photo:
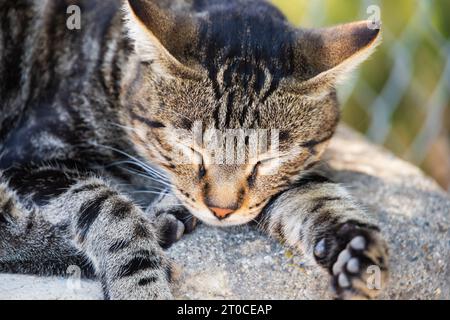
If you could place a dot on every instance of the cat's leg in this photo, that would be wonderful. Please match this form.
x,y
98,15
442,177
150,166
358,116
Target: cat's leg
x,y
320,218
32,244
172,219
120,242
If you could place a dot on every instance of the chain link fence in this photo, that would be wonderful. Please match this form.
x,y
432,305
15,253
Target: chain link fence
x,y
400,98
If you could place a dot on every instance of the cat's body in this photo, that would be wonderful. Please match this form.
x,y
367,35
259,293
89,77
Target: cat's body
x,y
46,69
85,114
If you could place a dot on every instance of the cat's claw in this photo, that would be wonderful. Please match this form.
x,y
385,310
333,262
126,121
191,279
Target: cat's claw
x,y
173,224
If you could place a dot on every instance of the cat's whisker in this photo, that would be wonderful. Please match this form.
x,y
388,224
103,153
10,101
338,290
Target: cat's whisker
x,y
150,192
150,170
139,162
156,173
190,218
140,166
149,177
259,224
162,190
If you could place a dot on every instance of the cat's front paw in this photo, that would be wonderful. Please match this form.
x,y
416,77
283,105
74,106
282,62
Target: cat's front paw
x,y
172,224
357,258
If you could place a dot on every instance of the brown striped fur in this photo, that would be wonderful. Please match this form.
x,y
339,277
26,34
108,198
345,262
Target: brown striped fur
x,y
89,117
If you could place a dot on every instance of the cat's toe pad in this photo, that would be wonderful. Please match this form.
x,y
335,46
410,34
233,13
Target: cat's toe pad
x,y
360,271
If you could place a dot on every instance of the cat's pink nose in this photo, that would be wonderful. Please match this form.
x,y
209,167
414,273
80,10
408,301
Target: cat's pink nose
x,y
221,213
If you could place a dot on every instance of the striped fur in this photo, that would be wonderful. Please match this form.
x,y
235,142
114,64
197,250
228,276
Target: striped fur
x,y
321,219
89,139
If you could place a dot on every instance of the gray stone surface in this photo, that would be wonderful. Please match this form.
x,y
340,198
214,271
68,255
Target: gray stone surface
x,y
413,211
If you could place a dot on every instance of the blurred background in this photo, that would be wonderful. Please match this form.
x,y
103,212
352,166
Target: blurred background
x,y
400,98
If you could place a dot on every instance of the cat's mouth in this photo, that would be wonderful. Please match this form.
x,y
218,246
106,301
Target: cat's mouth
x,y
220,217
238,218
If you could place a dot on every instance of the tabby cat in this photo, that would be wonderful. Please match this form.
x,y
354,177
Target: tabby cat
x,y
93,123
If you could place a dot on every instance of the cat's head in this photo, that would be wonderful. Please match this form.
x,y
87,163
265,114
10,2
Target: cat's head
x,y
236,65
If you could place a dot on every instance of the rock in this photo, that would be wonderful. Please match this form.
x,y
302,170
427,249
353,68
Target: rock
x,y
21,287
241,263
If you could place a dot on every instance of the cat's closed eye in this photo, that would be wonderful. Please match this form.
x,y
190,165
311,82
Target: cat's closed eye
x,y
201,170
252,177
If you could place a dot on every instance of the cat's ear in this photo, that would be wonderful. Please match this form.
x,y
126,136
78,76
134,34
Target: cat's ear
x,y
161,36
324,57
